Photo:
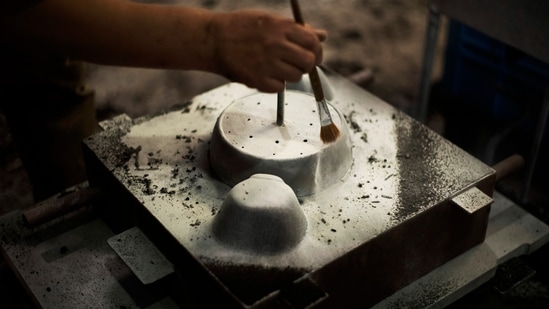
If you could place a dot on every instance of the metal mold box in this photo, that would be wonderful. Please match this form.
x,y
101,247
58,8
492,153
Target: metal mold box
x,y
392,219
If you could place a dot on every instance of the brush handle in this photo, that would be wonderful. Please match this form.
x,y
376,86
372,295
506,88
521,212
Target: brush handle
x,y
297,12
316,84
313,75
323,111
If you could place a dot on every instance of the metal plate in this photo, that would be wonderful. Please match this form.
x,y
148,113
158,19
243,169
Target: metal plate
x,y
141,255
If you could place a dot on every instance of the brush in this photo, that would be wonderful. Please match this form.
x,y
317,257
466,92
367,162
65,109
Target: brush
x,y
328,130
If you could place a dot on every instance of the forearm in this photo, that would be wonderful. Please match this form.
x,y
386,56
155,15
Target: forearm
x,y
257,48
118,32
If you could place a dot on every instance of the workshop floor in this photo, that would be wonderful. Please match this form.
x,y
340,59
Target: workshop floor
x,y
382,50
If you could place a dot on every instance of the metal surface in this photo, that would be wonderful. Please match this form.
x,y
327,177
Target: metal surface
x,y
141,255
512,232
280,107
402,178
472,200
89,274
61,265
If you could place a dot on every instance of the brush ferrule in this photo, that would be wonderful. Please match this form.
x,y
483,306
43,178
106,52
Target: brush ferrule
x,y
323,113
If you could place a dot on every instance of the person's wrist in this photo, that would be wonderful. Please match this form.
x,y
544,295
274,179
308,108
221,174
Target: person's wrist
x,y
214,43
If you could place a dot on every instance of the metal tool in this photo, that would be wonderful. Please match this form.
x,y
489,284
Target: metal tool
x,y
280,107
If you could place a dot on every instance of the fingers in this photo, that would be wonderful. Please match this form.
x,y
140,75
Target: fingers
x,y
270,85
272,77
288,71
298,60
322,35
307,41
262,50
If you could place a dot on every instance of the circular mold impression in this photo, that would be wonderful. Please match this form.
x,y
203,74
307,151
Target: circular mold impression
x,y
246,140
260,214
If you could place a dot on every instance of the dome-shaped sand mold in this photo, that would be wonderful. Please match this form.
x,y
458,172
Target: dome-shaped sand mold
x,y
246,140
260,214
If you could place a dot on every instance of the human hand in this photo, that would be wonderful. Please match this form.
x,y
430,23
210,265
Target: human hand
x,y
262,50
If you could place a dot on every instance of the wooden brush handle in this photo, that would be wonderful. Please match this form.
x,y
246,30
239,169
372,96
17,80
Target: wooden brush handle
x,y
316,85
297,12
313,75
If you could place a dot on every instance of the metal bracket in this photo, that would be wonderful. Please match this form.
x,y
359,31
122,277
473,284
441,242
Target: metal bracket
x,y
472,200
141,255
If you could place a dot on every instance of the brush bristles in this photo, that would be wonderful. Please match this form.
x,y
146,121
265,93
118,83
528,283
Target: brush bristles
x,y
329,133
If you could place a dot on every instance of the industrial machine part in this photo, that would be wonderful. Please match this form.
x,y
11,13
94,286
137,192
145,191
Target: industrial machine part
x,y
71,199
402,227
410,202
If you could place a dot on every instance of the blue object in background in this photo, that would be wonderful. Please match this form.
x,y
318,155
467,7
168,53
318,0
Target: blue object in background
x,y
492,77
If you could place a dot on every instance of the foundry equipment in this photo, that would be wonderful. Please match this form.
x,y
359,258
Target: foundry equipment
x,y
342,224
407,202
